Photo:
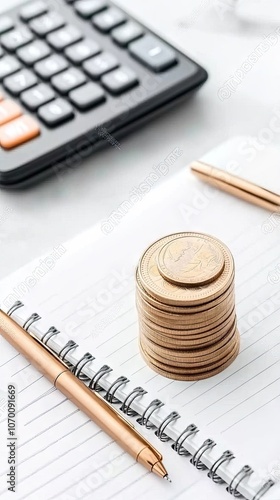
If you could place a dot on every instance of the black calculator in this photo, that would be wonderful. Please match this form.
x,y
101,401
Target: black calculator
x,y
75,75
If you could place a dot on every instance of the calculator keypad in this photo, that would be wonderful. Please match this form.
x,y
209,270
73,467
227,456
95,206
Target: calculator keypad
x,y
18,131
15,39
51,66
33,52
87,8
32,10
37,96
77,72
151,52
127,33
99,65
81,51
120,80
87,96
56,112
68,80
8,66
20,81
64,37
6,24
9,110
47,23
109,19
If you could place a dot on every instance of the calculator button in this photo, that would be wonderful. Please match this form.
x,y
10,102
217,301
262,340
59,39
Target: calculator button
x,y
16,38
56,112
18,131
6,24
8,65
81,51
60,39
32,10
153,53
119,80
109,19
45,24
33,52
87,8
68,80
20,81
9,110
87,96
50,66
99,65
37,96
125,34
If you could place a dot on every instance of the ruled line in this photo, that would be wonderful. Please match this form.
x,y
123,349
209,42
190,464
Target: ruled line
x,y
252,413
244,400
236,388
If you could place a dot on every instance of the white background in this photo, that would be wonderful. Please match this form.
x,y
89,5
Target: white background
x,y
45,215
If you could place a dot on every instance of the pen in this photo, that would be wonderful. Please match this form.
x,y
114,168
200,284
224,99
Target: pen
x,y
97,409
236,186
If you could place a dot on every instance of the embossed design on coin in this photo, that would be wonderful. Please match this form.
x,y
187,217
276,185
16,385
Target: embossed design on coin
x,y
190,260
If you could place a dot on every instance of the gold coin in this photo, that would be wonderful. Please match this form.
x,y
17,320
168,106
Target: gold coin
x,y
188,321
168,293
189,316
187,368
189,342
189,376
191,260
184,343
186,331
197,355
182,309
188,365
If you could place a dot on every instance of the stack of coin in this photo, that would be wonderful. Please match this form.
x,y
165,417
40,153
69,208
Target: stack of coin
x,y
186,305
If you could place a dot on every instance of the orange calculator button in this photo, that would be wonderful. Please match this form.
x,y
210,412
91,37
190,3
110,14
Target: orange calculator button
x,y
18,131
8,111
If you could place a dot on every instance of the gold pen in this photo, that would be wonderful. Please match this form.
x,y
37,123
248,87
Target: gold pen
x,y
98,410
236,186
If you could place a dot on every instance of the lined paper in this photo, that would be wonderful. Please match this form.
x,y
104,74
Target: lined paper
x,y
89,296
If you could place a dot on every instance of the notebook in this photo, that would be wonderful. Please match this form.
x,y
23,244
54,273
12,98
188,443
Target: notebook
x,y
83,294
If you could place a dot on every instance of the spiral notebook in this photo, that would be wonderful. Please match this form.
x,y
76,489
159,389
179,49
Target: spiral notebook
x,y
218,436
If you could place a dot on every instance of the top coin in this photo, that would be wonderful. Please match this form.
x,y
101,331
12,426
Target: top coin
x,y
191,260
182,295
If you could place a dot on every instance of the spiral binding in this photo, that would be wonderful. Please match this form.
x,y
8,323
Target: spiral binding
x,y
52,331
264,489
93,384
77,369
178,445
135,393
109,396
195,460
225,457
151,408
160,431
144,419
246,471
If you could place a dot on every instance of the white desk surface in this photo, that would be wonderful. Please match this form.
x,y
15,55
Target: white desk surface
x,y
47,214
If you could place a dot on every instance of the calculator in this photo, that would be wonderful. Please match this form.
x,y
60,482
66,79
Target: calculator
x,y
76,75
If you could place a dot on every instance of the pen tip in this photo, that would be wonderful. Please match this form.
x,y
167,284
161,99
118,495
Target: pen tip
x,y
167,478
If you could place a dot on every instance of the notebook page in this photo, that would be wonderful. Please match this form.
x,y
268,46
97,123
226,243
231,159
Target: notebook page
x,y
106,322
